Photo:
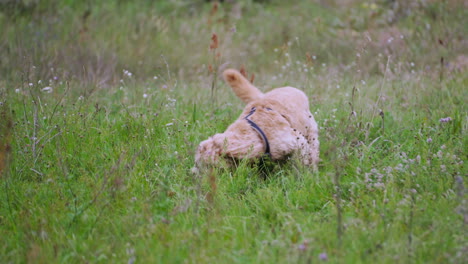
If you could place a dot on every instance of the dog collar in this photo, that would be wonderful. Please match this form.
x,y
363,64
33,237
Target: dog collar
x,y
258,130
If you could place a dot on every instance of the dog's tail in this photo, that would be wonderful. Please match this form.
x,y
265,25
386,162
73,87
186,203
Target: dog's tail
x,y
241,86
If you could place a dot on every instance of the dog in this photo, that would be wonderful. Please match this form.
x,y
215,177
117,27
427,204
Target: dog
x,y
277,124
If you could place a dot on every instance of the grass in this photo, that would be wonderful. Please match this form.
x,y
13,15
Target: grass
x,y
103,106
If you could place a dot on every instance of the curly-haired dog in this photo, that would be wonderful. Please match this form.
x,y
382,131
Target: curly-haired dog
x,y
277,123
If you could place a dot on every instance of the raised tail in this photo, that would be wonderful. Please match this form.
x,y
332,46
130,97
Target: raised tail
x,y
241,86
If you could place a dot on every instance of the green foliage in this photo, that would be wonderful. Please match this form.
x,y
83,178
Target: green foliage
x,y
103,105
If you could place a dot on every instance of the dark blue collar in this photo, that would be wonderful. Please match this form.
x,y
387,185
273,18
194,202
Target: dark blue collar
x,y
259,131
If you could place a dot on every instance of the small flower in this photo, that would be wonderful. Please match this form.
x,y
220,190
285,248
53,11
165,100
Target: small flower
x,y
47,89
445,120
443,168
169,124
323,256
31,84
127,73
302,247
17,90
164,86
155,77
194,170
145,96
429,140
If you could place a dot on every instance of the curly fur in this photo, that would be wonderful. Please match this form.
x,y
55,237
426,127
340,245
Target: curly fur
x,y
284,116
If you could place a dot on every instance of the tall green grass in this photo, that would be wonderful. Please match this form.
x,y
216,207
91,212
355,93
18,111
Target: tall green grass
x,y
104,104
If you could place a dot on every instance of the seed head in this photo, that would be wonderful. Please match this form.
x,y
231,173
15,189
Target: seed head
x,y
214,42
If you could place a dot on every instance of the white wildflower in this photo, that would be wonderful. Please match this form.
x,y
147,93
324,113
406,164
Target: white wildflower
x,y
47,89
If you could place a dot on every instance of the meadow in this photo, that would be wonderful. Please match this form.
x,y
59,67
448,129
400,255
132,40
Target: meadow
x,y
103,104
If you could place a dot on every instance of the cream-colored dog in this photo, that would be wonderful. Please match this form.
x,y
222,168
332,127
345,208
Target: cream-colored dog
x,y
277,123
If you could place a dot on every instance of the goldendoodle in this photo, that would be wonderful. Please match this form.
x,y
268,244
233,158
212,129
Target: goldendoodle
x,y
278,124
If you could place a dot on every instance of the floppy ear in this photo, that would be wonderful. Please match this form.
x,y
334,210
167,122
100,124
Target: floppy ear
x,y
219,148
239,141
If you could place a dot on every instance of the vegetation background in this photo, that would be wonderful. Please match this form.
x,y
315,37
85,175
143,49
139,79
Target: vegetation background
x,y
103,103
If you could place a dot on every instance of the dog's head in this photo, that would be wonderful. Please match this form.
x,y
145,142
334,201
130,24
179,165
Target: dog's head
x,y
210,150
242,141
239,141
